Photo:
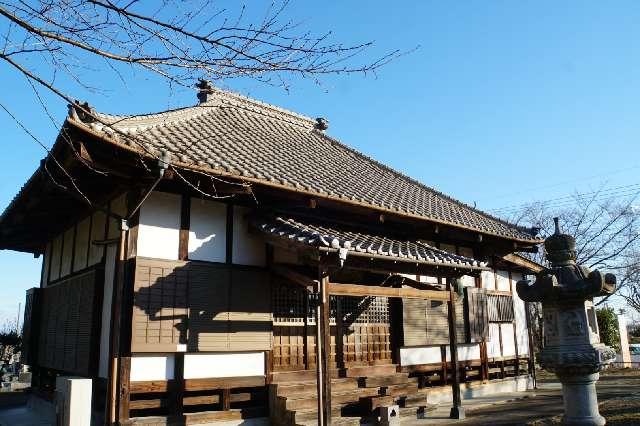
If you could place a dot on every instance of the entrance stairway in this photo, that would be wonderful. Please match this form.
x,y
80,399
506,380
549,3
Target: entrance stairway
x,y
356,394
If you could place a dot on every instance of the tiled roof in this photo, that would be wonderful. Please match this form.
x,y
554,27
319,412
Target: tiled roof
x,y
236,136
313,232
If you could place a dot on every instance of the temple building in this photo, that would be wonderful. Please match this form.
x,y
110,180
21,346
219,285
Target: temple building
x,y
231,260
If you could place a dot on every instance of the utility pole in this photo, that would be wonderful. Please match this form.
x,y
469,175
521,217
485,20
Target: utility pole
x,y
18,318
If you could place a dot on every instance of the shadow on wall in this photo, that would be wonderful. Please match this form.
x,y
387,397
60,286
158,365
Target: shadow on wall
x,y
208,307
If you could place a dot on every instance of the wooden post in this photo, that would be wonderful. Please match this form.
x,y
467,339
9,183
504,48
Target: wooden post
x,y
532,358
323,337
457,411
178,383
114,346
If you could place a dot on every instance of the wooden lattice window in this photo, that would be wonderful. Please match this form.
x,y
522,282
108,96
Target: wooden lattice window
x,y
500,308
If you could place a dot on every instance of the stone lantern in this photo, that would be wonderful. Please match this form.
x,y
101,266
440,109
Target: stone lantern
x,y
572,348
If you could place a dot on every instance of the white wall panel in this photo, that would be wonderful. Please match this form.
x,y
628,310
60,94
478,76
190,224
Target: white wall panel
x,y
493,344
159,229
420,355
488,280
508,343
519,310
468,281
227,364
503,281
151,367
466,352
56,252
208,231
67,252
109,275
98,232
248,247
82,245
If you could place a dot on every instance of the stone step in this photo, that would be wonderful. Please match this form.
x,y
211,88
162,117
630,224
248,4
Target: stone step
x,y
419,412
310,387
371,370
386,380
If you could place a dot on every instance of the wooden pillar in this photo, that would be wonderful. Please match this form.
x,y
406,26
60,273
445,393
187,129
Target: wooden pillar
x,y
532,358
115,376
457,411
323,347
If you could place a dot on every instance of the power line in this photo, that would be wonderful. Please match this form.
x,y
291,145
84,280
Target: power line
x,y
622,190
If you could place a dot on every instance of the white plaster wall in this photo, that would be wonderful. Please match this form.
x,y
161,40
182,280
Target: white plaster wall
x,y
248,247
503,281
98,224
67,252
508,343
420,355
429,280
223,364
159,229
493,344
56,252
519,310
208,231
488,280
151,367
109,275
468,281
82,245
466,352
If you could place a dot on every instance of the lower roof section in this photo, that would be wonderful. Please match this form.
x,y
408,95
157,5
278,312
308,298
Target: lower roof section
x,y
328,236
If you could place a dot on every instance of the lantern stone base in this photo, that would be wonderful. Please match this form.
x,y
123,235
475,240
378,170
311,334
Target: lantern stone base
x,y
580,400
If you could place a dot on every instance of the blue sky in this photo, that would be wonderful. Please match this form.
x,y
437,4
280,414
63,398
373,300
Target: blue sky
x,y
503,102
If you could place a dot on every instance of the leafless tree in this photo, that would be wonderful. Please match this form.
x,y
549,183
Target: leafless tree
x,y
54,41
607,232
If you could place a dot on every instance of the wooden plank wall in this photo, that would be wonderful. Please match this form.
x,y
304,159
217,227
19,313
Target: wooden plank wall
x,y
66,324
208,307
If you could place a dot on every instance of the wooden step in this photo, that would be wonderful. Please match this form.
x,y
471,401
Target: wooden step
x,y
310,387
418,399
371,370
335,421
399,390
373,402
299,375
296,402
386,380
309,414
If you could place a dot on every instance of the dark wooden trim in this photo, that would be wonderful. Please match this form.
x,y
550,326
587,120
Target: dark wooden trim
x,y
191,385
445,367
185,224
89,239
268,366
229,234
358,290
73,248
132,243
76,274
226,399
178,383
61,253
124,390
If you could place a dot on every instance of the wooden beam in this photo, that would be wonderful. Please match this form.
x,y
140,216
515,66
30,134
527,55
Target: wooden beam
x,y
457,411
323,347
339,289
295,277
185,223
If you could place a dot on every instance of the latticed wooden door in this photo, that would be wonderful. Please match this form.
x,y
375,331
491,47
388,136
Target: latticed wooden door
x,y
364,326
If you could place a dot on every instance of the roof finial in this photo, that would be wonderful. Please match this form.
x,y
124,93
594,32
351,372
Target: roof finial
x,y
556,222
205,88
322,124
